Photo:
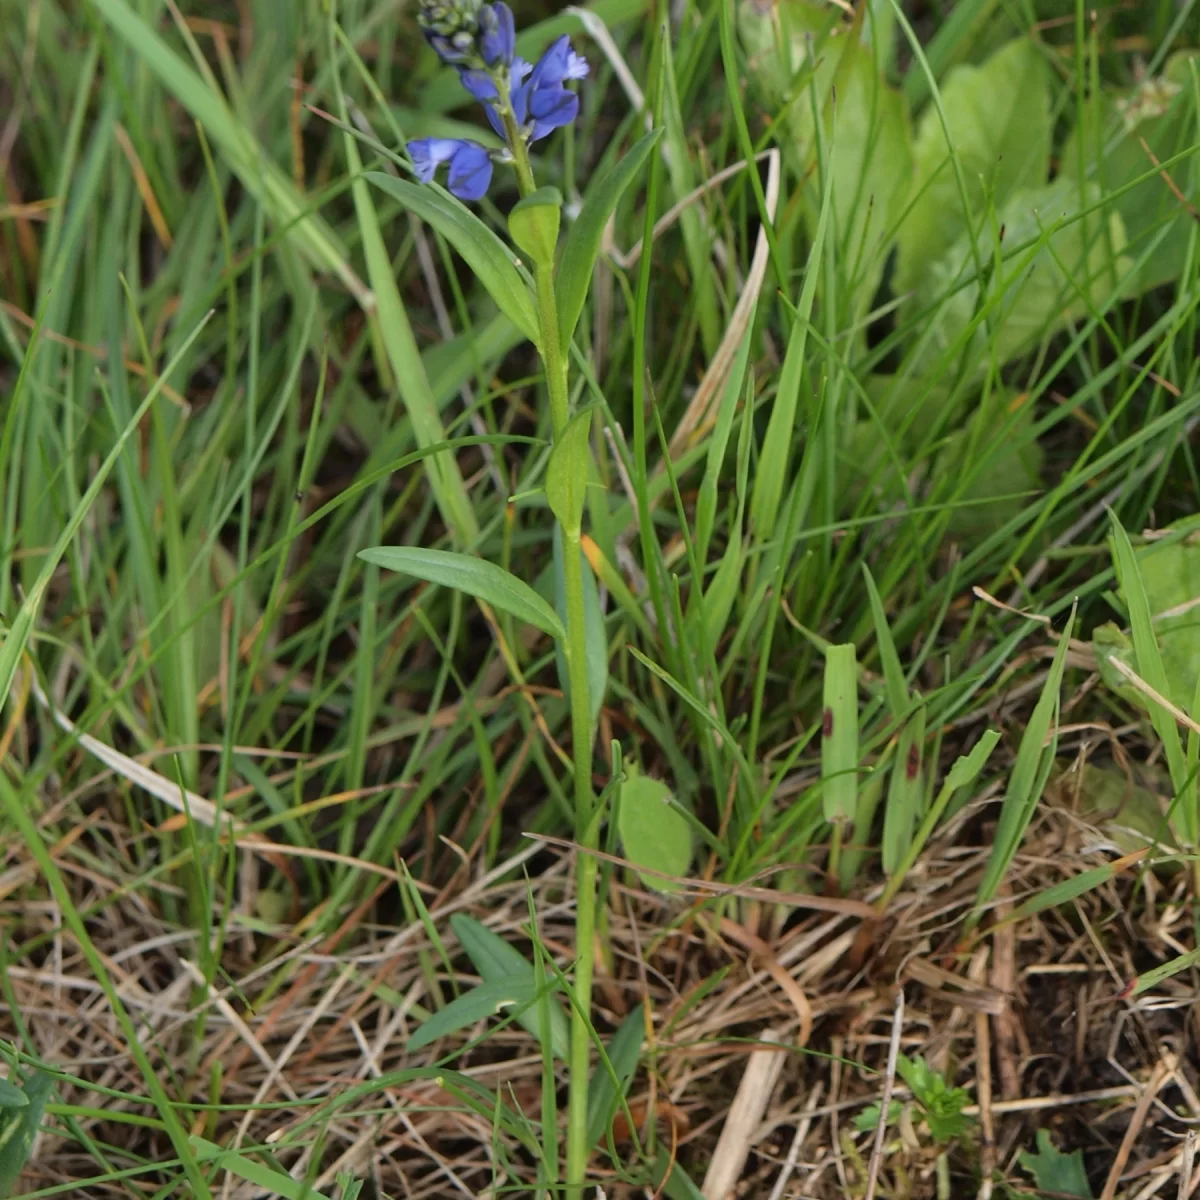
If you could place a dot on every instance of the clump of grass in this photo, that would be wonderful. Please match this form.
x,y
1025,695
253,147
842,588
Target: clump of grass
x,y
866,526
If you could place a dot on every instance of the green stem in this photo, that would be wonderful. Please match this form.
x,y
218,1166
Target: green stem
x,y
575,651
587,838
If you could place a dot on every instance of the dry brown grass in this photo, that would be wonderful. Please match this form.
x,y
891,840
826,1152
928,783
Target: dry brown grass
x,y
1030,1018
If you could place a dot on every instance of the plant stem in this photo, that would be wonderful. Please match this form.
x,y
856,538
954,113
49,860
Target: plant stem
x,y
575,651
586,836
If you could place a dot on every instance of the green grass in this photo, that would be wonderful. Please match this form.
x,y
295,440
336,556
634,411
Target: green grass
x,y
229,363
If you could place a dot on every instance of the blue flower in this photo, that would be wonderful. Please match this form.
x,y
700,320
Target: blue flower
x,y
559,63
498,34
470,164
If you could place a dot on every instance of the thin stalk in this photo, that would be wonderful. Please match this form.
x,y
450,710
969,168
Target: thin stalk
x,y
575,652
586,835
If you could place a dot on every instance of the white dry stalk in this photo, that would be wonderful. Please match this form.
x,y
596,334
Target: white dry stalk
x,y
889,1082
744,1118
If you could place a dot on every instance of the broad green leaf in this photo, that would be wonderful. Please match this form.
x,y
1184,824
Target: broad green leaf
x,y
623,1053
1108,151
998,115
597,637
583,240
839,734
866,143
1118,804
495,960
784,42
1011,459
567,471
11,1096
1170,574
1149,664
1055,261
653,833
533,224
19,1126
492,998
472,576
490,260
1055,1173
275,1182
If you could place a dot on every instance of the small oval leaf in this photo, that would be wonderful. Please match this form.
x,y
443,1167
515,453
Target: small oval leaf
x,y
12,1096
486,255
474,576
533,224
654,833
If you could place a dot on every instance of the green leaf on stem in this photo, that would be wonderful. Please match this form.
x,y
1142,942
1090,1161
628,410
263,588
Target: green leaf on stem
x,y
496,960
533,224
490,999
597,638
474,577
623,1053
487,256
583,241
567,472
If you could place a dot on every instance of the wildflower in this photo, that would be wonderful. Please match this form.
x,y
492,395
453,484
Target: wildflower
x,y
522,101
470,164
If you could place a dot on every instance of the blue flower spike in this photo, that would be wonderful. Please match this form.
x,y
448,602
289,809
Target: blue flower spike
x,y
522,102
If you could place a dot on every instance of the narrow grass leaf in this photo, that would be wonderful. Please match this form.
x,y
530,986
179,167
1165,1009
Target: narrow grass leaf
x,y
777,444
893,672
839,734
604,1098
473,576
495,959
260,176
1152,978
654,833
906,792
586,234
965,771
18,633
491,261
19,1127
411,379
276,1182
1028,777
1071,889
706,499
